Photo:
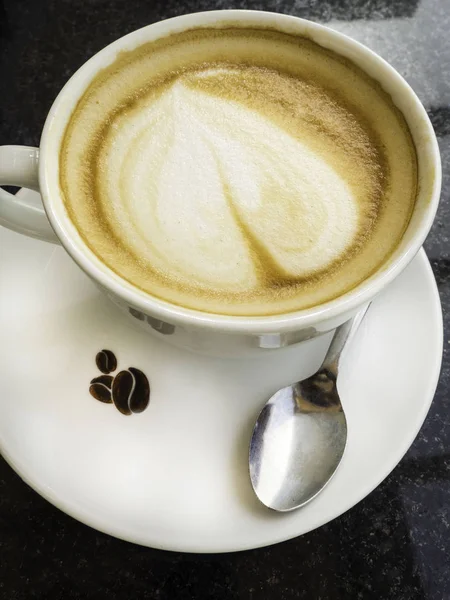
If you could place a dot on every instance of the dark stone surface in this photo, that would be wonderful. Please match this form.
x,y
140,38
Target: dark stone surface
x,y
393,545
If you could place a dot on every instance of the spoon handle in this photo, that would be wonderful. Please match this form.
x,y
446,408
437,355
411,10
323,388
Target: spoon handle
x,y
343,335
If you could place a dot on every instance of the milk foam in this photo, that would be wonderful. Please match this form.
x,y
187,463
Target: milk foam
x,y
234,186
197,198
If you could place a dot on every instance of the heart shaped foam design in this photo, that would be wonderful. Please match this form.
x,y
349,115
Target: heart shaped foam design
x,y
228,207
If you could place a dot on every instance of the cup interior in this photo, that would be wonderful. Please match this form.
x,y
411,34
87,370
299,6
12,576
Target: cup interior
x,y
429,171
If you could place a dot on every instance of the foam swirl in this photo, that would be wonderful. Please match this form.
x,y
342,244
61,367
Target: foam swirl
x,y
227,207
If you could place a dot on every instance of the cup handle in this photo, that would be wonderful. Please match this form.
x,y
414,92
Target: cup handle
x,y
19,167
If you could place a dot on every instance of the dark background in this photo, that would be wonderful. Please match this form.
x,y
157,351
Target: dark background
x,y
393,545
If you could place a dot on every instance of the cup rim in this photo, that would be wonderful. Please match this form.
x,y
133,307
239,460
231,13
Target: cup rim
x,y
91,264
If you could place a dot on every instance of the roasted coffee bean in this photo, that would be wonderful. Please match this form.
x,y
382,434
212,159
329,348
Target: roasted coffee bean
x,y
100,388
106,361
122,389
140,396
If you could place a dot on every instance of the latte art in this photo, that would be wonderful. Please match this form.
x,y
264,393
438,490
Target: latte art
x,y
238,182
231,209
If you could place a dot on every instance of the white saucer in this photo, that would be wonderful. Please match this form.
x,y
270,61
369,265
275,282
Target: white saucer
x,y
175,476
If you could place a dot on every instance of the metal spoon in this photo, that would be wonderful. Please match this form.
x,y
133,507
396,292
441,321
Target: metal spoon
x,y
300,435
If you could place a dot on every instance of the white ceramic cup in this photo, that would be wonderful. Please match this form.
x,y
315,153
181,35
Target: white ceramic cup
x,y
38,169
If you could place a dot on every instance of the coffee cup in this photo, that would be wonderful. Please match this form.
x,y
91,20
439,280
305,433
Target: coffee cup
x,y
194,328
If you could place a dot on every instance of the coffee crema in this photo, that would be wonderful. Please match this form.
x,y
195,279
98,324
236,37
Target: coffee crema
x,y
238,171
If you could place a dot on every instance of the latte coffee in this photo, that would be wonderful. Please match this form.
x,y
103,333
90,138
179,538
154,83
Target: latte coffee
x,y
238,171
